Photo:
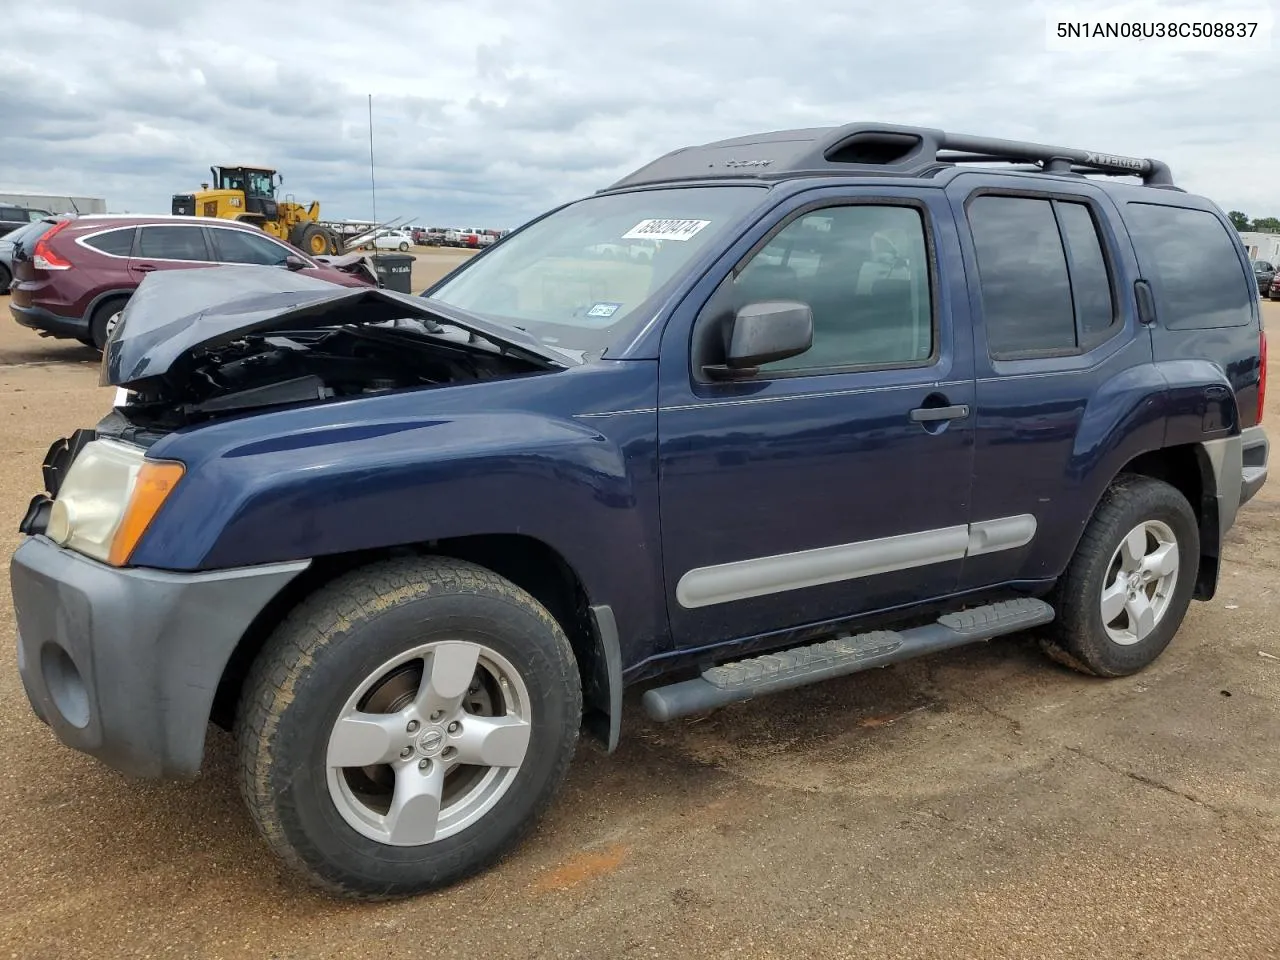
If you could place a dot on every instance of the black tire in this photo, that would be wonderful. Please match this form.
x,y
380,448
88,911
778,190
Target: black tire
x,y
317,659
6,278
313,239
404,247
98,321
1078,638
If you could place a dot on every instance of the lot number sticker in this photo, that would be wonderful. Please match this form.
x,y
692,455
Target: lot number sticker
x,y
665,229
603,310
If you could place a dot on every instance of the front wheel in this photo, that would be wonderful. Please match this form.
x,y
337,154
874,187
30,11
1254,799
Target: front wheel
x,y
404,248
1130,582
406,726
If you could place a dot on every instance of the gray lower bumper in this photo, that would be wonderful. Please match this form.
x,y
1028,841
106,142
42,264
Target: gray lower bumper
x,y
1254,450
123,664
1239,471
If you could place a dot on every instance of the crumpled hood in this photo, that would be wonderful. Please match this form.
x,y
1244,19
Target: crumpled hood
x,y
175,313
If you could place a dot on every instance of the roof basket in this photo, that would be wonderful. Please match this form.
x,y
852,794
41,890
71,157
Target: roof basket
x,y
879,149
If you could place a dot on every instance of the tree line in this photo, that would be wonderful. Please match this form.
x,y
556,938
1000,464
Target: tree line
x,y
1262,224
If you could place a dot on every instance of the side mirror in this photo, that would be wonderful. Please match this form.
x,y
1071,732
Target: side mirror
x,y
762,333
295,263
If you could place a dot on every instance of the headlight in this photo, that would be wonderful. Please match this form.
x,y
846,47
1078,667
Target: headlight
x,y
107,499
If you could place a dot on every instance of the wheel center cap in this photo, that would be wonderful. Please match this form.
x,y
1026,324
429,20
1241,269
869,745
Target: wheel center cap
x,y
431,742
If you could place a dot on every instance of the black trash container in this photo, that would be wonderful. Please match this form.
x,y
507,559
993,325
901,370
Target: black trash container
x,y
395,271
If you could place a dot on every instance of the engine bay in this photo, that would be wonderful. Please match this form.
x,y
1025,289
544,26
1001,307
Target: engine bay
x,y
285,367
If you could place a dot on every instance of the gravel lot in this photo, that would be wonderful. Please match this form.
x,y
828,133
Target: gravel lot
x,y
981,803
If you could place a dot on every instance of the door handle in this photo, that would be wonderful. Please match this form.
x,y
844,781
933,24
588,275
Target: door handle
x,y
931,414
144,267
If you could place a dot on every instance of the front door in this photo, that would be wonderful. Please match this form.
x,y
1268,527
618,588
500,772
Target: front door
x,y
836,482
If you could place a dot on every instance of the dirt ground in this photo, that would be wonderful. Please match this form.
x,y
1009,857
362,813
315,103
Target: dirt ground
x,y
980,803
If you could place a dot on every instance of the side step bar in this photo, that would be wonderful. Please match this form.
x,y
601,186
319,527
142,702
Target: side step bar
x,y
847,654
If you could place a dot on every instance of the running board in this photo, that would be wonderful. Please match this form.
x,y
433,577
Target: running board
x,y
847,654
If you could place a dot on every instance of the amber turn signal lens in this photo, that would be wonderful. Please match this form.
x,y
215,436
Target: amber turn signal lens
x,y
155,482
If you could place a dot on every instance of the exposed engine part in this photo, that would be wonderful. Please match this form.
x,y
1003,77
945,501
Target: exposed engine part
x,y
306,366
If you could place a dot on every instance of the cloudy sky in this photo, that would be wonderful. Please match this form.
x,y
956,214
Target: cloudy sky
x,y
488,111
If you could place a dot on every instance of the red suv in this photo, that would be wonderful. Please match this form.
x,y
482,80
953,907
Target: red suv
x,y
80,273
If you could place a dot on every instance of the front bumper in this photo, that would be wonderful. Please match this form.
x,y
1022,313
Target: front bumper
x,y
123,663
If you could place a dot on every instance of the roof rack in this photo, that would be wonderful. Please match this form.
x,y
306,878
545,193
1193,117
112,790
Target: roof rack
x,y
878,149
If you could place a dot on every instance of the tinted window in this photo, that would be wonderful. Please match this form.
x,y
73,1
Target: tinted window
x,y
1090,281
172,243
239,246
1026,296
118,243
1193,267
864,271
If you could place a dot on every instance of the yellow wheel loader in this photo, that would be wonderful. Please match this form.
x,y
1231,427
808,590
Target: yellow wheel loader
x,y
250,194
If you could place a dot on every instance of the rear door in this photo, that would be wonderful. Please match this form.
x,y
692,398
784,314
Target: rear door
x,y
170,246
1058,348
836,482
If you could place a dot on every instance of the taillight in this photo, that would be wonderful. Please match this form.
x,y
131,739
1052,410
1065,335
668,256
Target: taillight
x,y
42,258
1262,372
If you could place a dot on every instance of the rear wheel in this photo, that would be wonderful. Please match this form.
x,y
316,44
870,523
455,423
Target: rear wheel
x,y
1130,582
100,323
405,727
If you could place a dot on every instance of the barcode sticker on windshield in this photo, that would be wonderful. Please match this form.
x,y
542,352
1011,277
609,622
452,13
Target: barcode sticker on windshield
x,y
665,229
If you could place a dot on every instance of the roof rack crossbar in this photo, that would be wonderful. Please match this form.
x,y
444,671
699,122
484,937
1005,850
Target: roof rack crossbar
x,y
877,149
1152,172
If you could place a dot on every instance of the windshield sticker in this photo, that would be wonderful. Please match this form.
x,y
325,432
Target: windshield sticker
x,y
665,229
603,309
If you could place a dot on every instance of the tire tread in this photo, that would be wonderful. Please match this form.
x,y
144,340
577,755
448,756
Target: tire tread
x,y
302,636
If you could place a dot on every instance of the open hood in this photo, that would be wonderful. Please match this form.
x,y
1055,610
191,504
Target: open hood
x,y
176,315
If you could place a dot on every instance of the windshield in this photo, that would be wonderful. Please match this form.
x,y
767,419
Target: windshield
x,y
577,279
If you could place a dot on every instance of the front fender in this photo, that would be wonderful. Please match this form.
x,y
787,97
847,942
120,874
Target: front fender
x,y
408,469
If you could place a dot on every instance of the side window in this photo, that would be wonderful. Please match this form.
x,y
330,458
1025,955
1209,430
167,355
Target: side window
x,y
1042,275
864,272
1090,279
240,246
172,243
118,243
1192,265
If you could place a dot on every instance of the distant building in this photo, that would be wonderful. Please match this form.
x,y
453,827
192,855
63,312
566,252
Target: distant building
x,y
1262,246
54,204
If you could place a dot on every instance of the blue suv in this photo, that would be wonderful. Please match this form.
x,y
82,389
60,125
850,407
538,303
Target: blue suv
x,y
766,411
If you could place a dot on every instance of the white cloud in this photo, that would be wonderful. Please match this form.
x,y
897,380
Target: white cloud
x,y
489,111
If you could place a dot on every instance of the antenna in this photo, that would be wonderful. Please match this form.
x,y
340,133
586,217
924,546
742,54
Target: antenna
x,y
373,186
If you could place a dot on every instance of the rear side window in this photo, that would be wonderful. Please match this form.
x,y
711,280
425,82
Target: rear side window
x,y
118,243
1042,274
173,243
1192,265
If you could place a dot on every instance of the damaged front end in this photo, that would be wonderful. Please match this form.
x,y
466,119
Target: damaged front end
x,y
201,344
